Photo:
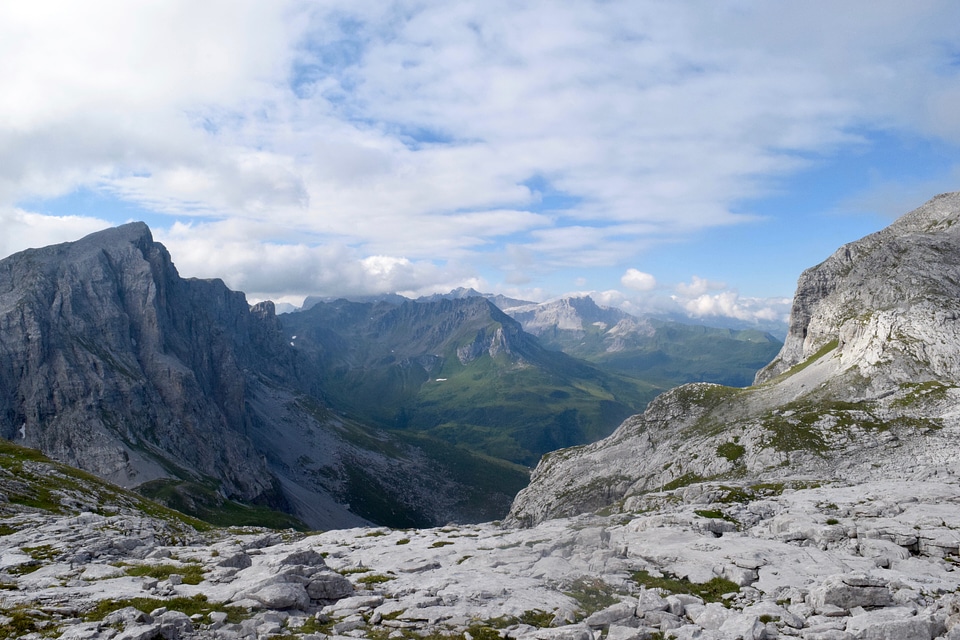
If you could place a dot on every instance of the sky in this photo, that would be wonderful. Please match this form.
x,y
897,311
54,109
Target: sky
x,y
692,156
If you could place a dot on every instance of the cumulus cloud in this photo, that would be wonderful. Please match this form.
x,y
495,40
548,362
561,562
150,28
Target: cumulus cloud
x,y
232,253
698,286
435,131
729,304
701,298
26,230
638,280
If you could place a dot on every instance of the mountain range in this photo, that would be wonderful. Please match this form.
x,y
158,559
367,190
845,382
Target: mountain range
x,y
818,503
399,412
662,352
513,383
462,371
111,362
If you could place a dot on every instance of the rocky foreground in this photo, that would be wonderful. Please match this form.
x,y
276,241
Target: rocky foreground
x,y
706,561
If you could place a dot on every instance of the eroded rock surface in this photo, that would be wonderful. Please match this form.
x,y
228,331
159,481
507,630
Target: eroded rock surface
x,y
817,562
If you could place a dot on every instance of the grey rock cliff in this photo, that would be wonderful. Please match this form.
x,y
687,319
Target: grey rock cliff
x,y
111,362
867,386
888,299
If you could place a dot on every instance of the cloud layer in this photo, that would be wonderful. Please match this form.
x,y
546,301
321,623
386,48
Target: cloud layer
x,y
309,147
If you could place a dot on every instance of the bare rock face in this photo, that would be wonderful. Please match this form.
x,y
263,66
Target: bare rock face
x,y
889,301
867,386
111,362
659,572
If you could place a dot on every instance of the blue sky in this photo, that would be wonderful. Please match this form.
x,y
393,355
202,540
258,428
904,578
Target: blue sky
x,y
680,156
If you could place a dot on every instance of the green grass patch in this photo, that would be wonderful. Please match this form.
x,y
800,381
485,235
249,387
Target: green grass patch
x,y
197,604
46,485
683,481
536,618
918,392
786,435
822,351
202,501
376,578
440,543
533,617
42,552
191,573
711,591
21,622
714,514
732,451
481,631
24,569
592,594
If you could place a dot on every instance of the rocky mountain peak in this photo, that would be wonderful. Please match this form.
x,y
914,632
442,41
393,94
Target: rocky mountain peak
x,y
102,364
867,386
879,298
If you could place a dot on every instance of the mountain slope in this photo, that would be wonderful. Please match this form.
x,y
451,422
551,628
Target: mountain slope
x,y
460,370
867,385
111,362
661,352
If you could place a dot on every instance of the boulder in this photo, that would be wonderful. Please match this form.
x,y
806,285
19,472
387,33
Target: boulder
x,y
305,557
713,616
650,601
619,632
329,586
893,623
236,561
285,595
613,613
175,625
743,627
569,632
849,591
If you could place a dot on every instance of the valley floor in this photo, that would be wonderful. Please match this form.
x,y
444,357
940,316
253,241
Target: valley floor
x,y
875,560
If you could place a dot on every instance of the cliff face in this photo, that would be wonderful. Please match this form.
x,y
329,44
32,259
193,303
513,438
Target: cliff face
x,y
111,362
887,299
867,385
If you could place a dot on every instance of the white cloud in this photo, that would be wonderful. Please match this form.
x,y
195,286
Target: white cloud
x,y
414,129
704,298
609,298
26,230
230,251
698,286
638,280
729,304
